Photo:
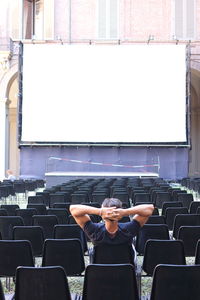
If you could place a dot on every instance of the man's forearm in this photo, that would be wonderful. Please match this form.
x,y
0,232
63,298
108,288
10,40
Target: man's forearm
x,y
78,210
145,210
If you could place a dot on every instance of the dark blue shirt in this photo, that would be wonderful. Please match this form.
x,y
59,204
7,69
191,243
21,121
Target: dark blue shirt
x,y
98,234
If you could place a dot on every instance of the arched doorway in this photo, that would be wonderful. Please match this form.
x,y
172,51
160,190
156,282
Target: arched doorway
x,y
9,153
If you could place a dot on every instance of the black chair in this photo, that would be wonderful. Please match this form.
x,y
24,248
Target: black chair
x,y
3,212
117,281
99,197
165,205
26,215
141,197
59,198
185,220
162,252
78,198
150,231
71,231
176,282
61,213
156,220
160,198
6,225
194,205
34,234
185,198
197,253
38,199
10,208
46,197
2,296
47,222
174,193
71,220
62,205
67,253
47,283
171,213
190,236
14,254
41,208
123,196
113,254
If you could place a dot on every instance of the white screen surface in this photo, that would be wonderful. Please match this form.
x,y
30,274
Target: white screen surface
x,y
104,93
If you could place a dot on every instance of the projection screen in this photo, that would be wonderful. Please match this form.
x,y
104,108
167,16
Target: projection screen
x,y
104,94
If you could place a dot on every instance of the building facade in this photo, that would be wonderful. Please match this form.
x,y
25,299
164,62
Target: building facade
x,y
89,21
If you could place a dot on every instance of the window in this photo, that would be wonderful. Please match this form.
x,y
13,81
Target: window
x,y
185,15
38,19
107,19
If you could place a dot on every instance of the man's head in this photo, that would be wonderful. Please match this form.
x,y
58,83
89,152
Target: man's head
x,y
112,202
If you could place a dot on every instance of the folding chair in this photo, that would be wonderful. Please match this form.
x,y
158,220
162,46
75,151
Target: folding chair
x,y
46,283
67,253
115,281
175,282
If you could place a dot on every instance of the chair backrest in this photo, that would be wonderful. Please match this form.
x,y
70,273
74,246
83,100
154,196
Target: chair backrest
x,y
57,197
141,197
10,208
47,283
185,220
65,205
14,254
67,253
6,225
113,254
161,197
26,215
185,198
165,205
197,253
171,213
162,252
174,192
115,281
150,231
71,231
41,208
61,213
2,296
47,222
176,282
38,199
3,212
190,236
156,220
34,234
194,205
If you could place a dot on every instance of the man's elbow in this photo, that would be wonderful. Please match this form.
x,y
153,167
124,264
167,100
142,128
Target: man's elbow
x,y
150,209
72,209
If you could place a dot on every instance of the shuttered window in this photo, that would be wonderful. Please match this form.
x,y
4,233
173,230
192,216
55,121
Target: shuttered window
x,y
185,16
108,19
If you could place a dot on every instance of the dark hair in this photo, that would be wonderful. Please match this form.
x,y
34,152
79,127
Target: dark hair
x,y
110,202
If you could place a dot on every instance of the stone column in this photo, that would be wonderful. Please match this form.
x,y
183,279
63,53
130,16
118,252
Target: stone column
x,y
3,103
4,67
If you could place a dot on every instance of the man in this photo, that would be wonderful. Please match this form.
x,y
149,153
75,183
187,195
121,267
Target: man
x,y
10,175
111,231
